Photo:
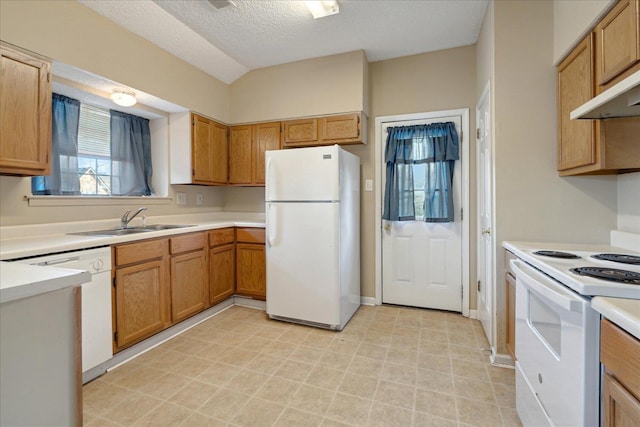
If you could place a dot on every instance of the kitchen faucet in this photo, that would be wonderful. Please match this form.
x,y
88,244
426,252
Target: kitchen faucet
x,y
126,219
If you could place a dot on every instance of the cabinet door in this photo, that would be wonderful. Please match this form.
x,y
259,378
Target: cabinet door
x,y
202,150
240,159
140,302
344,129
219,153
618,40
576,138
189,284
222,265
209,151
25,113
621,409
251,270
300,133
266,136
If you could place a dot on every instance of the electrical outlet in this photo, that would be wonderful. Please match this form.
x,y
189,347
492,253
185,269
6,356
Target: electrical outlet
x,y
181,198
368,185
199,199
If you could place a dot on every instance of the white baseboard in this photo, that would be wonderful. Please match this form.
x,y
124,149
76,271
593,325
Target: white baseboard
x,y
502,360
367,301
473,314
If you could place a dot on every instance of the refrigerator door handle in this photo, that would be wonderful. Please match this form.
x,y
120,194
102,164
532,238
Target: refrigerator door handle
x,y
271,225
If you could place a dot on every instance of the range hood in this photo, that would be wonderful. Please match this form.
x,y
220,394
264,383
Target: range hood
x,y
620,100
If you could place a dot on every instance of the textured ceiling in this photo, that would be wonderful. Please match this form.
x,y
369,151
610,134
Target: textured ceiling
x,y
227,43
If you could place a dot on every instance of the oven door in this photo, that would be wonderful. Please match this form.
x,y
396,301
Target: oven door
x,y
557,336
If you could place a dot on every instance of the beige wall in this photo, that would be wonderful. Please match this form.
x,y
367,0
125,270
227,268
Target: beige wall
x,y
73,34
421,83
532,202
629,202
572,20
331,84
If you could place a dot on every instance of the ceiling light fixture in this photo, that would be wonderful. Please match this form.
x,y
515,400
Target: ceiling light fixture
x,y
123,98
322,8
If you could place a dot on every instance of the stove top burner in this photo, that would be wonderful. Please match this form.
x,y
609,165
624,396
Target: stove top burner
x,y
622,258
611,274
556,254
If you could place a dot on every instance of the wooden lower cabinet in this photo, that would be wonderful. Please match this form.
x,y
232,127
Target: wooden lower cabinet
x,y
141,302
222,265
620,355
160,282
189,279
251,263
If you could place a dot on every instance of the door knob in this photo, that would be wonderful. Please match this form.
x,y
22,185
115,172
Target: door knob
x,y
486,231
387,227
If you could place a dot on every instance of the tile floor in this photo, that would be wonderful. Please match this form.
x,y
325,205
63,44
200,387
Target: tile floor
x,y
390,366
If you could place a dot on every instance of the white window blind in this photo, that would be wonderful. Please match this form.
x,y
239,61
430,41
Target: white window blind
x,y
94,132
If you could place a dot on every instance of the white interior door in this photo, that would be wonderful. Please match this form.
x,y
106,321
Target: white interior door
x,y
485,202
422,262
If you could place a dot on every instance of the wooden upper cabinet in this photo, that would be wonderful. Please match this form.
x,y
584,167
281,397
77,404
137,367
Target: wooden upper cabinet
x,y
209,151
618,42
25,113
325,130
240,161
266,136
247,146
300,133
576,139
199,150
342,129
591,146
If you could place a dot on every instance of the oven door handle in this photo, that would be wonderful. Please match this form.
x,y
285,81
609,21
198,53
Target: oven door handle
x,y
546,287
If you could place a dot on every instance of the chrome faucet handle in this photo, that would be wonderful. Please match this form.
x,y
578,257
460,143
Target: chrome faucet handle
x,y
124,220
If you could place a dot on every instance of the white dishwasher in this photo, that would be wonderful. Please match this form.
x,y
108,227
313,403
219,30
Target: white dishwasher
x,y
96,299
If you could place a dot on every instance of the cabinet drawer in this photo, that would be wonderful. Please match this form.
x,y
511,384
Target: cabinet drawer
x,y
187,242
137,252
221,236
620,353
250,235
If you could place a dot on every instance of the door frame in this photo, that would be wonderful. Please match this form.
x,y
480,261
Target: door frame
x,y
491,285
464,152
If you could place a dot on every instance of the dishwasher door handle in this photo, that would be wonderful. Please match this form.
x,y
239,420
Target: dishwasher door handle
x,y
58,261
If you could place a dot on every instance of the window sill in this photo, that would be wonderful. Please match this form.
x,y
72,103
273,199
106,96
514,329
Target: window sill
x,y
96,201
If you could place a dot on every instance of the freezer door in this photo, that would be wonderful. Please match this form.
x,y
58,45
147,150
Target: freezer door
x,y
303,261
302,174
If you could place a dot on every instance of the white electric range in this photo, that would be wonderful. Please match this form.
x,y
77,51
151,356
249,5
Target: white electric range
x,y
557,331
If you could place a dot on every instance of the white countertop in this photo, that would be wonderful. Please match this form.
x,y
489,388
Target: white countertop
x,y
41,239
623,312
19,281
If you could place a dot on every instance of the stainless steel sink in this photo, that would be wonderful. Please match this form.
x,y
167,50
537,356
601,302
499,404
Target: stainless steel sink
x,y
160,227
131,230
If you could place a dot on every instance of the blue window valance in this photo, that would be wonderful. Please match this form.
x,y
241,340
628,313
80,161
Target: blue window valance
x,y
420,162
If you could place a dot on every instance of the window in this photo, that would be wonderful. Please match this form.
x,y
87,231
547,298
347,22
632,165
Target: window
x,y
96,152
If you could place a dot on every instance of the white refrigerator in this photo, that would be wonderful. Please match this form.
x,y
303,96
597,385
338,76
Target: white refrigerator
x,y
313,235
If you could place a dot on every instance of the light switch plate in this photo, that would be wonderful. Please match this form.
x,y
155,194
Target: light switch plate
x,y
368,185
181,198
